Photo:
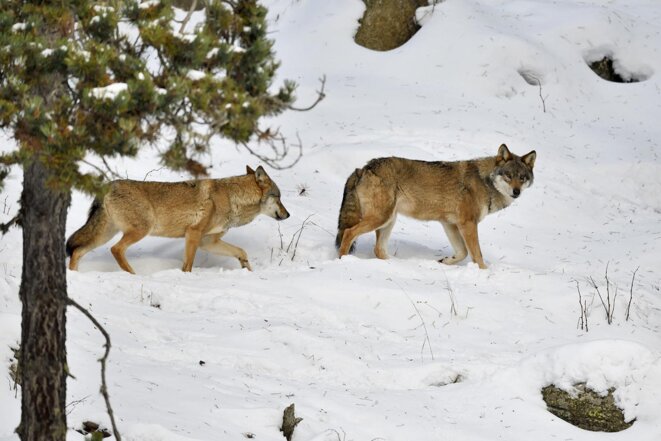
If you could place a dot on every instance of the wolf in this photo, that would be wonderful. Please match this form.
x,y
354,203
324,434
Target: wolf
x,y
201,211
458,194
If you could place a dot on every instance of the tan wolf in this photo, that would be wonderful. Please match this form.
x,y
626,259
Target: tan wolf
x,y
201,211
458,194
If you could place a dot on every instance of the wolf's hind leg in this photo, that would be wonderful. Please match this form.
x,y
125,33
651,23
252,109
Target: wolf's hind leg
x,y
468,231
80,251
367,224
457,242
119,249
382,236
213,244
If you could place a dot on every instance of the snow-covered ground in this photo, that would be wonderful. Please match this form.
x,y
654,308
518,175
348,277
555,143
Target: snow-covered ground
x,y
403,349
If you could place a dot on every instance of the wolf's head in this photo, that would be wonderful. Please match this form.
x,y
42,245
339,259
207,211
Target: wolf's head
x,y
270,203
512,173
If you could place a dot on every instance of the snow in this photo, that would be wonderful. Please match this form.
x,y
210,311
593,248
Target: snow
x,y
17,27
212,53
149,4
103,9
195,75
109,92
188,38
407,348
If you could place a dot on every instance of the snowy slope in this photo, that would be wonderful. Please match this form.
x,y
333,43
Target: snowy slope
x,y
403,349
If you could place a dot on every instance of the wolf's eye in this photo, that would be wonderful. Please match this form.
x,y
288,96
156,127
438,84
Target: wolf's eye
x,y
523,178
507,176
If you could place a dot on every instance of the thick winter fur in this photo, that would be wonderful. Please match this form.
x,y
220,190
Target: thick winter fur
x,y
350,212
458,194
201,211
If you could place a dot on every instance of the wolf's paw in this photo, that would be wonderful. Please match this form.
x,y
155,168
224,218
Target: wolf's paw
x,y
245,264
381,254
449,260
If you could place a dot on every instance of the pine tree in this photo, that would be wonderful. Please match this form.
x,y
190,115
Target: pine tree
x,y
81,79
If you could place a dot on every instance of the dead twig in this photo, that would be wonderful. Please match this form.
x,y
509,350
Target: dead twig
x,y
453,306
280,148
541,97
295,238
427,340
108,174
583,320
633,278
152,171
102,360
320,96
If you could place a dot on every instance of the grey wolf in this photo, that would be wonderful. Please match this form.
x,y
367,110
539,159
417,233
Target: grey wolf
x,y
201,211
458,194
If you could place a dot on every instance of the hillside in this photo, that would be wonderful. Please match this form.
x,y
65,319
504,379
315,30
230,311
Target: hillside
x,y
407,348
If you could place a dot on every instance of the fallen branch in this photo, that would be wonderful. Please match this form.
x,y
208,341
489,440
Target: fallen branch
x,y
102,360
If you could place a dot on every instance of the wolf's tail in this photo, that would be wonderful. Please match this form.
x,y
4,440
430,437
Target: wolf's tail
x,y
350,209
97,222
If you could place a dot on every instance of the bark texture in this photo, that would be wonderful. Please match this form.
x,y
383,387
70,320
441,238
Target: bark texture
x,y
43,293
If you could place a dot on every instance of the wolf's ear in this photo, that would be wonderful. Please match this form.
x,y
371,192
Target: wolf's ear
x,y
503,155
249,171
260,175
529,159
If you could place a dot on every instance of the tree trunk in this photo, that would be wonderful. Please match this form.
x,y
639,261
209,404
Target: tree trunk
x,y
43,295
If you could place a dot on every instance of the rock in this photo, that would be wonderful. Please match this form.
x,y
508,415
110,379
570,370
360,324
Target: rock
x,y
388,24
586,409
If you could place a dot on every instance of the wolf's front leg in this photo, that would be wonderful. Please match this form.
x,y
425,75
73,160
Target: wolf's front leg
x,y
468,231
213,244
193,236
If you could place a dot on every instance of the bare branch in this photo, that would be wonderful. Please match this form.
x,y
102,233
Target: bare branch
x,y
16,220
107,174
320,96
606,308
300,233
112,172
102,360
583,305
280,150
188,16
155,170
